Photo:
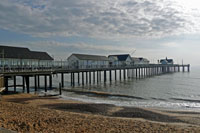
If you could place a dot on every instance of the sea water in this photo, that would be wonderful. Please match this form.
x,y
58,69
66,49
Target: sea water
x,y
180,90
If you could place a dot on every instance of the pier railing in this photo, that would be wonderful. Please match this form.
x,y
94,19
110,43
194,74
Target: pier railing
x,y
80,68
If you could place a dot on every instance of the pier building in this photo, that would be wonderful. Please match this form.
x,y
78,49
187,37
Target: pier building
x,y
120,60
20,57
83,61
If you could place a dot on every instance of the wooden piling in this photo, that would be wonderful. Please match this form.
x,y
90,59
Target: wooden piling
x,y
120,74
78,78
105,76
94,77
38,81
89,77
124,73
45,83
35,79
23,83
73,79
86,77
6,83
82,78
14,79
110,75
62,80
60,90
115,75
27,84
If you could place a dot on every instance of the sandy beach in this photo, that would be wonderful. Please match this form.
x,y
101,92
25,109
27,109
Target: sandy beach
x,y
32,113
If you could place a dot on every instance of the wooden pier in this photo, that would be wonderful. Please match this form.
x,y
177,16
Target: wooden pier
x,y
88,76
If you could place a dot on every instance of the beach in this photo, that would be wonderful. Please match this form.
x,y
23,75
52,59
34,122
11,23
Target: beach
x,y
33,113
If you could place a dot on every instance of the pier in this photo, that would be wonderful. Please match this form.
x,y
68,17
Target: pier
x,y
86,76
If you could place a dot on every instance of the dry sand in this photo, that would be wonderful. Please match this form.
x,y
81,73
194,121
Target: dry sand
x,y
31,113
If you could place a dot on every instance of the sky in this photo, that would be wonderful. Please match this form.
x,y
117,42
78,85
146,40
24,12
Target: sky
x,y
153,29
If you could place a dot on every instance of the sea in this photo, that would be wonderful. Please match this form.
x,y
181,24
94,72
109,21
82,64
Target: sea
x,y
176,91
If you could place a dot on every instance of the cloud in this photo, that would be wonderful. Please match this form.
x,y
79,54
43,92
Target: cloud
x,y
100,19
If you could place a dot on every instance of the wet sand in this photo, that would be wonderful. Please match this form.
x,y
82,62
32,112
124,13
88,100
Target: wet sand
x,y
32,113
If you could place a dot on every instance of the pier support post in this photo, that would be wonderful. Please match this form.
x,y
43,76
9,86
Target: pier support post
x,y
82,78
38,81
124,73
94,77
78,78
89,77
45,83
104,76
86,77
188,67
97,76
35,79
120,74
27,84
6,83
139,72
178,68
183,68
50,81
62,80
23,83
110,75
73,79
136,73
14,79
115,74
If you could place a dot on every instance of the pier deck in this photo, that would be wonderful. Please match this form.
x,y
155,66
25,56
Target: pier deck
x,y
134,71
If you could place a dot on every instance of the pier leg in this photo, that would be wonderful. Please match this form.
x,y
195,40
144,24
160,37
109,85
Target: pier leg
x,y
45,83
73,79
50,81
183,69
86,77
124,73
35,79
27,84
89,77
136,72
23,83
115,74
14,79
110,75
104,76
62,80
82,78
97,76
139,73
120,74
78,78
94,77
6,83
188,68
38,81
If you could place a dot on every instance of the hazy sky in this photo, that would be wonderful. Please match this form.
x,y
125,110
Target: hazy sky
x,y
154,28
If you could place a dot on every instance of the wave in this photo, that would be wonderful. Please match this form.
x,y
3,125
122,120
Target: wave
x,y
186,100
102,94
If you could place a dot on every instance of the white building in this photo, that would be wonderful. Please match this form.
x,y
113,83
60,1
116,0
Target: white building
x,y
120,60
140,60
84,61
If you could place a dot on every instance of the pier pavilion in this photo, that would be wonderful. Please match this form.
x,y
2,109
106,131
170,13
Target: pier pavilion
x,y
20,57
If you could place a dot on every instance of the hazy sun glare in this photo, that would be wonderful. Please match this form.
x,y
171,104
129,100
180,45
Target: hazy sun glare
x,y
189,4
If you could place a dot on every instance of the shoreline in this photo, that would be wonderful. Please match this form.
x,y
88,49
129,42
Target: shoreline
x,y
50,110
